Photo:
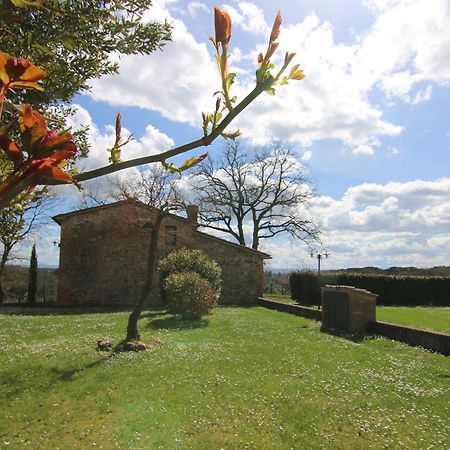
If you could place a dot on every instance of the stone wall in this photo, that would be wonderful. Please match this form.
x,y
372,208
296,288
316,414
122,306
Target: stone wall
x,y
431,340
96,266
242,269
103,256
302,311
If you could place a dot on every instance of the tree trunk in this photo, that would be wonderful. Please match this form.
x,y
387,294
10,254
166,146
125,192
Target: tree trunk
x,y
3,260
2,293
241,231
255,237
132,328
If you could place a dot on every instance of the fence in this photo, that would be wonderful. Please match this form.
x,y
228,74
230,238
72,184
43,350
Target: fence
x,y
45,294
277,288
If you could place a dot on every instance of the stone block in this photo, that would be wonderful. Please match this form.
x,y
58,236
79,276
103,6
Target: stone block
x,y
347,309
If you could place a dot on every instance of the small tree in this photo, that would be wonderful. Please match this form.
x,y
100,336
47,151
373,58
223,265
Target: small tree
x,y
32,277
165,202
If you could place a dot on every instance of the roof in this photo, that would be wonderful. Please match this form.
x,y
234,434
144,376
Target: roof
x,y
61,217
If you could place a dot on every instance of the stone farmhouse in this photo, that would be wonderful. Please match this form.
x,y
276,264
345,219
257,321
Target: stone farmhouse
x,y
103,253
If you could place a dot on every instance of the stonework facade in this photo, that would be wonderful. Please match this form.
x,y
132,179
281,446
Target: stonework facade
x,y
103,255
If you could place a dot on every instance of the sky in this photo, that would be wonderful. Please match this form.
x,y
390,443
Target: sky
x,y
370,122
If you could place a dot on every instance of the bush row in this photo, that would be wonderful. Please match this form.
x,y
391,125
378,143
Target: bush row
x,y
391,289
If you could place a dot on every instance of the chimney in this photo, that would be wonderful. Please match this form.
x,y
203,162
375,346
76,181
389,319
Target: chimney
x,y
192,214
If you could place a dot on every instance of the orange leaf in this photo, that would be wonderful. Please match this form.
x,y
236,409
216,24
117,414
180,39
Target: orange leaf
x,y
19,72
25,85
48,145
30,119
66,153
11,149
270,51
32,127
46,172
288,58
275,28
222,25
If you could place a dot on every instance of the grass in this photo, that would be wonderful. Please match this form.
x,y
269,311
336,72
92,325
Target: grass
x,y
428,318
280,298
242,378
431,318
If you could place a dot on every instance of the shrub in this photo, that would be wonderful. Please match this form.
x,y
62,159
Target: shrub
x,y
396,290
185,260
190,295
305,288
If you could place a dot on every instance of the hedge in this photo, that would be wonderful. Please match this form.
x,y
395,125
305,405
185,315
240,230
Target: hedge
x,y
391,289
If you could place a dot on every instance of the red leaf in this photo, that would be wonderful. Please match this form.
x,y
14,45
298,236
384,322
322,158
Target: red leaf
x,y
12,150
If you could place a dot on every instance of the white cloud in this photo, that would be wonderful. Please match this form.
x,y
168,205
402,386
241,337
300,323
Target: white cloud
x,y
381,225
177,82
248,16
307,155
393,151
363,149
194,7
423,95
408,43
152,142
326,104
406,51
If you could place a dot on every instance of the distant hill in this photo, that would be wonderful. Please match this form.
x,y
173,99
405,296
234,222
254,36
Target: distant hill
x,y
438,271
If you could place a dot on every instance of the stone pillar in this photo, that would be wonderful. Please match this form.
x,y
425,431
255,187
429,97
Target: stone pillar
x,y
347,309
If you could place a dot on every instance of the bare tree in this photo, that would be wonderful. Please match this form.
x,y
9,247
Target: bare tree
x,y
269,191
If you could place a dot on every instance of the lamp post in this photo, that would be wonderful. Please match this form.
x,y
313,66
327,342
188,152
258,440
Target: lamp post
x,y
319,254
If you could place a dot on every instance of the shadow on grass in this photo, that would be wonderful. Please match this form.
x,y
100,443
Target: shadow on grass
x,y
68,374
177,323
15,384
65,310
356,337
155,312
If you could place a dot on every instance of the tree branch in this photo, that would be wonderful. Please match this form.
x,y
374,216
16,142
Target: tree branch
x,y
204,141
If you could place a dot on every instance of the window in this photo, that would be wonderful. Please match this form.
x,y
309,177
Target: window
x,y
171,236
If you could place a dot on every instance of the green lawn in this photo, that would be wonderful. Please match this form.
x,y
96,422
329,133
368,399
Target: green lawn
x,y
280,298
242,378
431,318
428,318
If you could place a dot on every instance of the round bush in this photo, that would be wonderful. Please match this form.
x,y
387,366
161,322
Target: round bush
x,y
185,260
190,295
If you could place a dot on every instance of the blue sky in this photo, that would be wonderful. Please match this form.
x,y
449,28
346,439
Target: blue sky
x,y
370,121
